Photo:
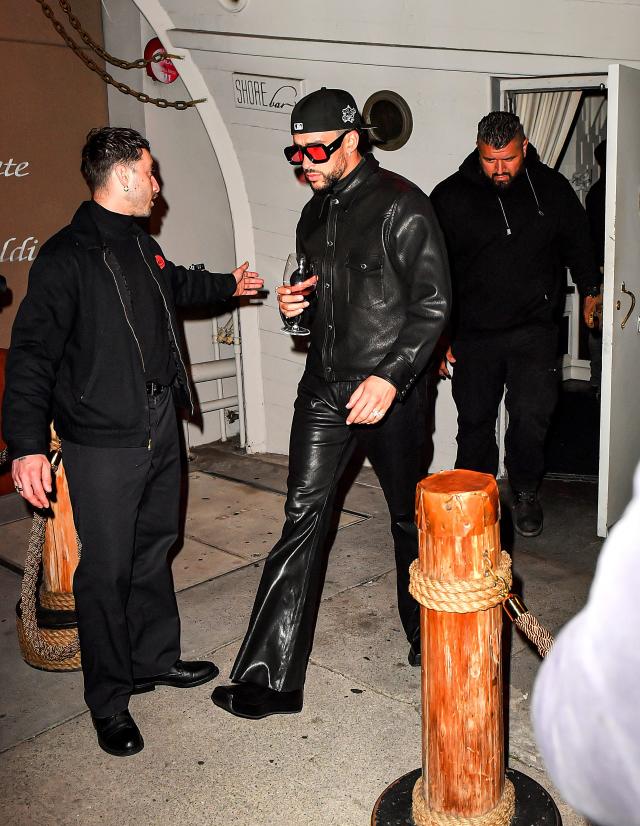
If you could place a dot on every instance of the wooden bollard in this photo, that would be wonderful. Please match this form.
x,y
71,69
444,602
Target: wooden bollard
x,y
458,518
45,645
461,578
60,552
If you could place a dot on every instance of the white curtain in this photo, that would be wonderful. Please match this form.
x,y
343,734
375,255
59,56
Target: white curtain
x,y
547,118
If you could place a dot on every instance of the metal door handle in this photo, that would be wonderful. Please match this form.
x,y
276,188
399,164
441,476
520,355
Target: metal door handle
x,y
631,308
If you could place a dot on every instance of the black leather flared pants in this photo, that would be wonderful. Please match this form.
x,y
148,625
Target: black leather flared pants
x,y
278,642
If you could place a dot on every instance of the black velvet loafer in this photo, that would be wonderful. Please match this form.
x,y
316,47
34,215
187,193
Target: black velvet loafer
x,y
184,674
256,701
118,734
415,655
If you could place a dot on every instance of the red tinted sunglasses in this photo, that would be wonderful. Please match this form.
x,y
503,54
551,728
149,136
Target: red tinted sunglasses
x,y
316,152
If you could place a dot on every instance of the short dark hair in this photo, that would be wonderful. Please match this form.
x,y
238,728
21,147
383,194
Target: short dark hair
x,y
107,146
497,129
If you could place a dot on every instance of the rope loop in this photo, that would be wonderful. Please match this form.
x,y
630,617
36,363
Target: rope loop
x,y
42,647
500,815
462,596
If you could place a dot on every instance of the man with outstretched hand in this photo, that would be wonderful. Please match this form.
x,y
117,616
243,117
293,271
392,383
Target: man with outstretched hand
x,y
94,344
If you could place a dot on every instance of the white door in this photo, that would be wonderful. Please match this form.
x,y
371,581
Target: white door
x,y
620,419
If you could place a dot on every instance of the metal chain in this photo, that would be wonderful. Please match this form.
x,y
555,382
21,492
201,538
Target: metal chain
x,y
161,103
141,63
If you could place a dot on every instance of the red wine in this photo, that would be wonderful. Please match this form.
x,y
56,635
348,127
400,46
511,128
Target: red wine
x,y
300,274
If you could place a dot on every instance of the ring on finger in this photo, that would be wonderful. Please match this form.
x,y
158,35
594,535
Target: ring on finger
x,y
377,413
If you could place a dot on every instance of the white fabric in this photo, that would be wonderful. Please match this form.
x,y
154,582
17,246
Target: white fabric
x,y
547,118
585,699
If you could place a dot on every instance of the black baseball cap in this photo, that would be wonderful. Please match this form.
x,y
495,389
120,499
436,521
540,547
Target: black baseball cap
x,y
324,111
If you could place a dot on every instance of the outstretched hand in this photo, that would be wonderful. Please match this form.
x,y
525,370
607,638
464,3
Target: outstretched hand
x,y
248,282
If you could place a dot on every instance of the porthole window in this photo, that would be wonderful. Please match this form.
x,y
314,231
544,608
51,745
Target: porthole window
x,y
233,5
391,119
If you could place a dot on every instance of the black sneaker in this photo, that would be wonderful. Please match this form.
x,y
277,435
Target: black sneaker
x,y
527,513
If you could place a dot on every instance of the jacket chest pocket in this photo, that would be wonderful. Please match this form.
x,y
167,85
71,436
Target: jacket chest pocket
x,y
365,285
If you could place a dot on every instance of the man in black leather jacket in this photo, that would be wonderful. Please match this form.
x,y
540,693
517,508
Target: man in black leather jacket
x,y
94,345
380,301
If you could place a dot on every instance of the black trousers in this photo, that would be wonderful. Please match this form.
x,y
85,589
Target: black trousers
x,y
525,362
125,505
278,641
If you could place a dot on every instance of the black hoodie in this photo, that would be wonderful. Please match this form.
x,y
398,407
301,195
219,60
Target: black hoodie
x,y
508,248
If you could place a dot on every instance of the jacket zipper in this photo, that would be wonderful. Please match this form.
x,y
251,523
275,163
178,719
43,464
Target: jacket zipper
x,y
175,341
133,332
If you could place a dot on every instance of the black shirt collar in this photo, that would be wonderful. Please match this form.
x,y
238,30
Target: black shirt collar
x,y
345,189
112,225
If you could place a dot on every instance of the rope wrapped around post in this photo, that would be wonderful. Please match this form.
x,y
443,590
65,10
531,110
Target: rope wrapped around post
x,y
43,647
500,816
461,597
478,595
461,579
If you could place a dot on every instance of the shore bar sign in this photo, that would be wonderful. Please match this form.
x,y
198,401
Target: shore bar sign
x,y
267,94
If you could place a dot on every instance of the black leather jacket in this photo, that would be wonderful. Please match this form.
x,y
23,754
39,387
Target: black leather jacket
x,y
383,293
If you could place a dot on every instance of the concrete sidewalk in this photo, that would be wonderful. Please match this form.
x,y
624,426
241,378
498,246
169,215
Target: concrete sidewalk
x,y
360,726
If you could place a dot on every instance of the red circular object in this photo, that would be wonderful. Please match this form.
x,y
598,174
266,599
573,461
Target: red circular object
x,y
163,71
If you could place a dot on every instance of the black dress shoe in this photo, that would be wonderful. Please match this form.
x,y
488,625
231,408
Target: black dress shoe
x,y
415,656
118,734
527,513
256,701
183,674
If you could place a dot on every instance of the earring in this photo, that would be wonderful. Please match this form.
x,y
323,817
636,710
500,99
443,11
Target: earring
x,y
126,188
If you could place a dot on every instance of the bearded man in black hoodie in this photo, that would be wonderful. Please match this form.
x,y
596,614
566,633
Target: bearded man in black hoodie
x,y
512,225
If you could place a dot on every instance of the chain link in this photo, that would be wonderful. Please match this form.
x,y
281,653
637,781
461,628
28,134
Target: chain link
x,y
161,103
141,63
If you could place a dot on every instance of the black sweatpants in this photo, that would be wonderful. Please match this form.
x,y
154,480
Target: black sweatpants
x,y
525,362
125,505
278,641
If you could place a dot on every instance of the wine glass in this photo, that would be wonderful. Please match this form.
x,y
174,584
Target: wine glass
x,y
295,272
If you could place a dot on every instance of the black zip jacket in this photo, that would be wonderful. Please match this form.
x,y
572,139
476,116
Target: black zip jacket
x,y
508,248
74,355
383,293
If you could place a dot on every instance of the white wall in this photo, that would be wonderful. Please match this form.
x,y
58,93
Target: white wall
x,y
598,28
440,57
197,227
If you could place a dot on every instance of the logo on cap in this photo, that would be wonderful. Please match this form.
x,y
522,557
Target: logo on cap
x,y
348,114
298,127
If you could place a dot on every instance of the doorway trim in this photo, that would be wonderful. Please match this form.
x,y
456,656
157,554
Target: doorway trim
x,y
224,150
501,89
